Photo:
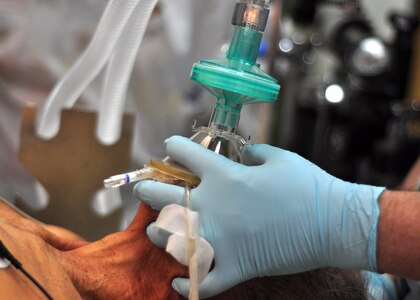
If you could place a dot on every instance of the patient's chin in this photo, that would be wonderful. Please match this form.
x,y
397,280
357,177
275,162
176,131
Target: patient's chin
x,y
124,265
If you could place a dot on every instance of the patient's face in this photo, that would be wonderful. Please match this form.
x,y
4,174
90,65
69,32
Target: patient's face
x,y
125,265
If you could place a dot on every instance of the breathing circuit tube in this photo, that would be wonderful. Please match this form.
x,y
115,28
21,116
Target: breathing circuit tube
x,y
118,74
88,66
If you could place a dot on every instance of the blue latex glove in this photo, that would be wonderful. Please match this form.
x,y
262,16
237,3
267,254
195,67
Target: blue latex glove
x,y
380,286
281,215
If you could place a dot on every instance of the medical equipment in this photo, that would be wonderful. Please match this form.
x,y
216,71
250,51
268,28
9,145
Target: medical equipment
x,y
235,81
116,42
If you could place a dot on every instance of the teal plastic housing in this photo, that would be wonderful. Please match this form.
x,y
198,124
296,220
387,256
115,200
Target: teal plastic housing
x,y
237,79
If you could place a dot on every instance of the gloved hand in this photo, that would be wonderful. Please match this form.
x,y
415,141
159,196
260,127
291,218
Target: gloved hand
x,y
279,215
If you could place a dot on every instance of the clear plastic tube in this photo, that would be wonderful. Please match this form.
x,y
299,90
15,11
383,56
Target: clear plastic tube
x,y
118,74
87,67
126,178
192,237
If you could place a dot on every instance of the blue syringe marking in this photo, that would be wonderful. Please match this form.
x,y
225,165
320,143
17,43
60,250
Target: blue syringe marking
x,y
127,178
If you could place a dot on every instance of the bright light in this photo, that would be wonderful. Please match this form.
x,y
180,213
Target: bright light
x,y
251,16
334,93
373,46
286,45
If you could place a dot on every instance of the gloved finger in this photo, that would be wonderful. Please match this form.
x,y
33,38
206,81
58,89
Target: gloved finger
x,y
194,156
213,284
261,153
159,237
157,194
256,154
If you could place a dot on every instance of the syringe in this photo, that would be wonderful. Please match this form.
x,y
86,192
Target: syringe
x,y
122,179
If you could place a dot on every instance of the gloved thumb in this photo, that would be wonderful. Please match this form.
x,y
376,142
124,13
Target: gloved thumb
x,y
157,236
258,154
182,286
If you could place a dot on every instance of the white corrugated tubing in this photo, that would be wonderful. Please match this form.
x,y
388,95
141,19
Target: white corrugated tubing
x,y
116,42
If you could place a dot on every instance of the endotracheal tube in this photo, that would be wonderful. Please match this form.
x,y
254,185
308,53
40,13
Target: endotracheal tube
x,y
192,237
